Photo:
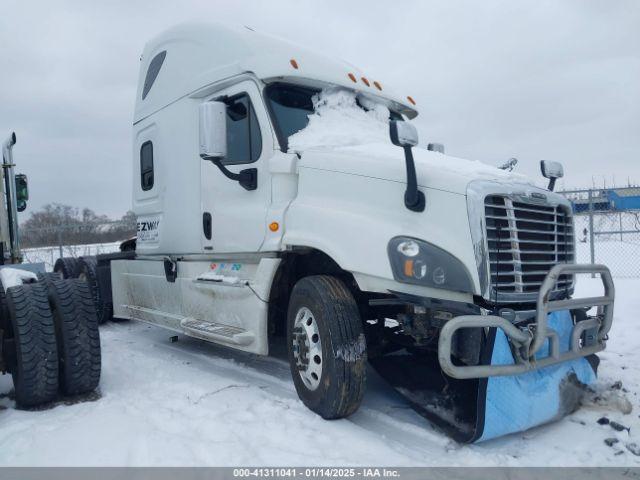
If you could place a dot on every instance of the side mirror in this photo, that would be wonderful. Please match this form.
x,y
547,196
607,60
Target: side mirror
x,y
403,134
213,130
212,118
22,192
552,171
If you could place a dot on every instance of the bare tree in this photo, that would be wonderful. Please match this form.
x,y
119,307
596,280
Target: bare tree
x,y
57,224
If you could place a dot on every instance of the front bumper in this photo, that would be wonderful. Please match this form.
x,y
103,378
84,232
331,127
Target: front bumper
x,y
587,337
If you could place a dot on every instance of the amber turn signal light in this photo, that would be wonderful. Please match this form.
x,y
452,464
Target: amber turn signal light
x,y
408,268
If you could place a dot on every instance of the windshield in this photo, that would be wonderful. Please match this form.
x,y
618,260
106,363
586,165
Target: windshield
x,y
328,112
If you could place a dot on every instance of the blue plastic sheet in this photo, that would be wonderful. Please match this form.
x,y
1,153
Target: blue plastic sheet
x,y
517,403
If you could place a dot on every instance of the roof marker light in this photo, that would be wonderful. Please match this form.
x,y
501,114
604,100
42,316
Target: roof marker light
x,y
352,77
411,100
365,81
293,63
377,85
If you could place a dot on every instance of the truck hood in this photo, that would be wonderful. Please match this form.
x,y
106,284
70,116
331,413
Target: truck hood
x,y
386,161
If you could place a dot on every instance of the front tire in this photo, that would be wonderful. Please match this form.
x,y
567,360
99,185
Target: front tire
x,y
327,347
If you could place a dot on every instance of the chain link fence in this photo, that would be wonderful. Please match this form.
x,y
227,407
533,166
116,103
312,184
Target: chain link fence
x,y
607,228
47,244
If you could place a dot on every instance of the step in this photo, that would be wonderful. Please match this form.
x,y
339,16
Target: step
x,y
229,281
217,332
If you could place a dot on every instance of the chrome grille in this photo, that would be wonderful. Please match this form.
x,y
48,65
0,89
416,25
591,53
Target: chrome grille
x,y
525,240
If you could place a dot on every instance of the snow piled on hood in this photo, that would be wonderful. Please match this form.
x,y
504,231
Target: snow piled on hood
x,y
435,162
339,124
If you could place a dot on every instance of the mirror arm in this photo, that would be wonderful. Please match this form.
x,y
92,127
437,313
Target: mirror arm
x,y
552,184
414,199
227,173
247,178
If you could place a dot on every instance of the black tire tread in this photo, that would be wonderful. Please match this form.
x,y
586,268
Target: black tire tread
x,y
47,277
78,336
89,267
35,375
67,267
5,322
342,318
346,319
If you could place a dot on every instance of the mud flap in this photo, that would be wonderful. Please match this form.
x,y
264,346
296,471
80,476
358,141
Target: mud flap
x,y
482,409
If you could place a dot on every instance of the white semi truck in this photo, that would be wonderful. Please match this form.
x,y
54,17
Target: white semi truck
x,y
421,263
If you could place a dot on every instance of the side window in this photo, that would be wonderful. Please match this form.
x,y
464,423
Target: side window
x,y
244,141
152,72
146,166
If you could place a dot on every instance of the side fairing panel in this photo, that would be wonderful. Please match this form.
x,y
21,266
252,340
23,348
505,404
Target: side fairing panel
x,y
219,301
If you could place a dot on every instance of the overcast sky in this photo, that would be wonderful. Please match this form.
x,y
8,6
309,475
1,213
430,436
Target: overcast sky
x,y
531,79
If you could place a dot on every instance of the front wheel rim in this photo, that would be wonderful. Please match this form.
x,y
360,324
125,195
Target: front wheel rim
x,y
307,348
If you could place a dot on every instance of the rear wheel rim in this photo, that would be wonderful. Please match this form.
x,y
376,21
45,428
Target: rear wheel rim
x,y
307,348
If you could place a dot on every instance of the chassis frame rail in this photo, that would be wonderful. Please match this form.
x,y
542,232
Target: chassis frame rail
x,y
527,341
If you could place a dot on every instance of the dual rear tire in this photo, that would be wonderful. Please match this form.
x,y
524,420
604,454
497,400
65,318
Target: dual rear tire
x,y
54,330
77,334
86,269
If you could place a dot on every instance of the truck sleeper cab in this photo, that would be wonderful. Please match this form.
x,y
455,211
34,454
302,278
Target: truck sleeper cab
x,y
353,252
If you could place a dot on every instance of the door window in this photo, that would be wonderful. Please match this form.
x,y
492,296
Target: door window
x,y
244,141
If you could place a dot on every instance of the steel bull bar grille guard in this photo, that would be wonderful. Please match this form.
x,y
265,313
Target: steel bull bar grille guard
x,y
527,341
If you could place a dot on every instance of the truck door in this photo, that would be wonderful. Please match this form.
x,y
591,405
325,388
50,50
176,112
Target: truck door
x,y
233,219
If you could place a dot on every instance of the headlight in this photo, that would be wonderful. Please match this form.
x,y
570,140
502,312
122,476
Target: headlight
x,y
420,263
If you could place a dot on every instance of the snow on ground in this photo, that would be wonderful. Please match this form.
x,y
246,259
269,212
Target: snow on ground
x,y
622,257
190,403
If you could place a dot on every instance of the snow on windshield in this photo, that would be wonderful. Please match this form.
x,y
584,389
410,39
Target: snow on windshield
x,y
338,121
